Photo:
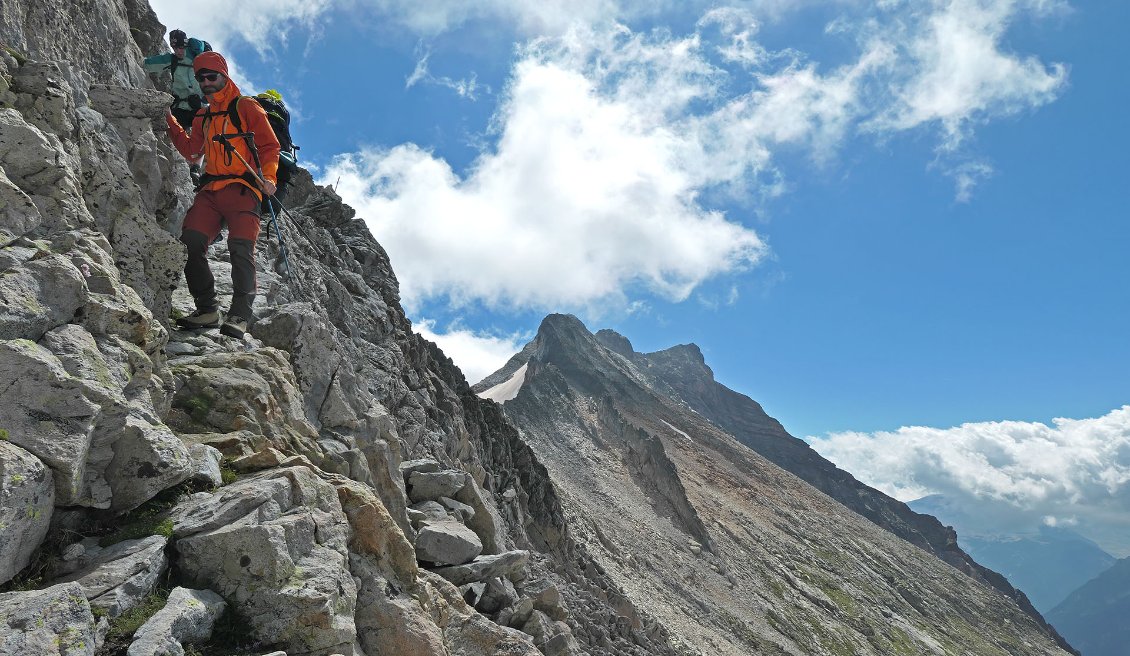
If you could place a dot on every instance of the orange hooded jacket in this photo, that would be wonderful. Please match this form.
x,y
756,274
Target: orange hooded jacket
x,y
214,120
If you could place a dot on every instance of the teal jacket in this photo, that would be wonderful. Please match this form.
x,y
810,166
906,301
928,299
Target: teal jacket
x,y
183,84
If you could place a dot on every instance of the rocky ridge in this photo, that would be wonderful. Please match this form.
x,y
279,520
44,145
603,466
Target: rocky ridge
x,y
743,542
330,484
1094,616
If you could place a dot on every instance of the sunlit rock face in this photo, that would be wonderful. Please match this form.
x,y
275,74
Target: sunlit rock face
x,y
278,478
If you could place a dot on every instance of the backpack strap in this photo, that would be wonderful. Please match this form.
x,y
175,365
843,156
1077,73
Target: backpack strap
x,y
233,112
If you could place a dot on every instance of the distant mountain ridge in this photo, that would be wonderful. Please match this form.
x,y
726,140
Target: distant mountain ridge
x,y
1096,617
1047,564
654,446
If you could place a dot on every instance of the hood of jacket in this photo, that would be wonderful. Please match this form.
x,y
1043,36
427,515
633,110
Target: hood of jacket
x,y
219,101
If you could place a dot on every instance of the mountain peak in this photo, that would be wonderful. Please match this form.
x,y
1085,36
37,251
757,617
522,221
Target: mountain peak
x,y
562,323
689,352
616,342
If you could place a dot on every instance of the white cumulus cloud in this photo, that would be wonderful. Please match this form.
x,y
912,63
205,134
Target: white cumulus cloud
x,y
606,141
591,191
961,73
1073,472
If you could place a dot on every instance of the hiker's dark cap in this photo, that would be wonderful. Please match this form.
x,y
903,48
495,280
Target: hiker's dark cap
x,y
178,39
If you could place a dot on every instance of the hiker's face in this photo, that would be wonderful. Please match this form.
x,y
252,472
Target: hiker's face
x,y
212,82
178,51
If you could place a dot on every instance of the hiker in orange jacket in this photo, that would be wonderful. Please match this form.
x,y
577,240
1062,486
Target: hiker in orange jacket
x,y
228,193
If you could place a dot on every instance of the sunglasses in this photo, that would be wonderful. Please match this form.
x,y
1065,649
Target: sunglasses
x,y
210,77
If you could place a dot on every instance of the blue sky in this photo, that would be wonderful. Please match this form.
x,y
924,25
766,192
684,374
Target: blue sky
x,y
870,216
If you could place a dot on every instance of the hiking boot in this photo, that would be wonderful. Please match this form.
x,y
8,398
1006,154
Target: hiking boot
x,y
234,326
200,319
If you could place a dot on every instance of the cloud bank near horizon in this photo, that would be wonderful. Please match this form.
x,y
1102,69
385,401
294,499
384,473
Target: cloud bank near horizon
x,y
1075,472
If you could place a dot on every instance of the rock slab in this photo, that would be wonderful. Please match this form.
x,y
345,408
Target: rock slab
x,y
52,622
187,617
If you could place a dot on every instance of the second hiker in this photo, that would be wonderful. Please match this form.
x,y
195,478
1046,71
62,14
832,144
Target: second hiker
x,y
187,97
229,193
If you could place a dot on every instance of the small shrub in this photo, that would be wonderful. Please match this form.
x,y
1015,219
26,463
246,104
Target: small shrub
x,y
227,474
4,434
130,621
198,406
151,518
141,528
16,54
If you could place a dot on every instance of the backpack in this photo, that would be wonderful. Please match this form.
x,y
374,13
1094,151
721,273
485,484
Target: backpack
x,y
279,119
196,46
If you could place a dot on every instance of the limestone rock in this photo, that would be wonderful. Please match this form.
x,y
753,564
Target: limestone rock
x,y
131,455
546,597
27,495
424,465
375,533
38,296
124,102
148,458
485,567
244,390
188,617
290,588
389,620
56,621
121,576
206,464
497,595
458,508
40,165
485,519
299,330
283,565
18,213
447,543
252,499
428,512
265,459
424,486
46,413
468,633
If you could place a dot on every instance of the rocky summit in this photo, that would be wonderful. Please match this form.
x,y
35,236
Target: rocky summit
x,y
737,537
331,485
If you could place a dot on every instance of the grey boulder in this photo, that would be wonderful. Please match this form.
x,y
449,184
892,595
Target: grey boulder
x,y
430,486
55,621
188,617
121,576
27,496
447,543
485,567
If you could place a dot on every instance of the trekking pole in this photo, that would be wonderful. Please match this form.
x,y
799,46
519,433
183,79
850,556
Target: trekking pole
x,y
249,139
